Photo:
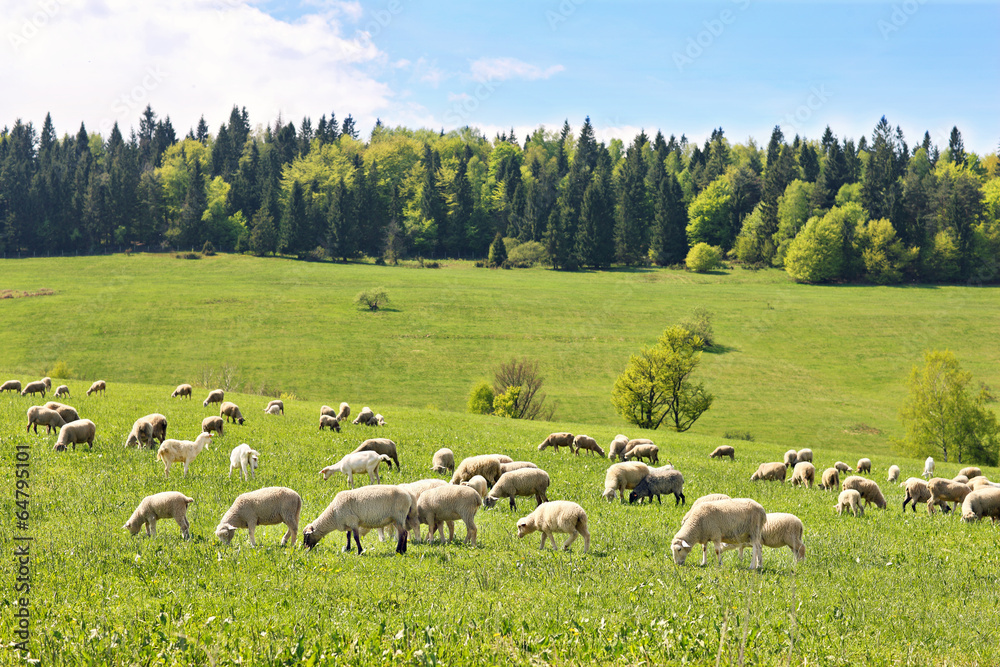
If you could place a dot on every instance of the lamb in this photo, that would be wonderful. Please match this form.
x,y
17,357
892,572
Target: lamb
x,y
928,468
34,388
11,385
769,472
231,411
209,424
181,451
916,492
622,477
557,516
182,391
843,467
791,458
379,421
869,490
587,443
960,479
147,429
632,444
980,482
366,417
780,530
478,482
98,387
367,507
524,482
264,507
650,452
241,458
443,461
557,440
485,465
734,521
804,473
447,504
164,505
982,503
723,450
416,489
66,412
380,446
356,463
831,480
849,500
659,482
276,403
971,472
332,423
516,465
944,491
344,413
864,465
804,455
893,474
327,411
50,419
62,390
617,447
47,381
76,432
214,396
273,410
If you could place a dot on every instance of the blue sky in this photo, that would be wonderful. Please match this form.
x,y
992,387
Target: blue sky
x,y
683,67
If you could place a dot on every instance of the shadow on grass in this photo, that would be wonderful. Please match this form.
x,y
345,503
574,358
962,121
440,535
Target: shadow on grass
x,y
720,349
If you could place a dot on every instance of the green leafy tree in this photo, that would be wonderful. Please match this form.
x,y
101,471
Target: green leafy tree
x,y
505,404
372,298
703,258
481,399
882,253
498,251
793,212
709,215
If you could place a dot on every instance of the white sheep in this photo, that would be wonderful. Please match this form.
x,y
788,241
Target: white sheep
x,y
831,480
980,482
327,411
632,444
278,403
66,412
356,463
734,521
849,499
804,473
182,390
723,450
864,465
557,440
804,455
415,489
272,410
893,474
98,387
791,458
379,421
62,390
780,530
11,385
181,451
365,417
242,458
928,468
982,503
368,507
523,482
711,497
34,388
443,461
478,482
622,477
47,381
164,505
445,505
869,490
916,492
961,479
485,465
587,443
344,412
231,411
74,433
380,446
556,516
617,447
212,423
644,451
842,467
264,507
214,396
944,491
332,423
146,430
971,472
516,465
48,418
769,472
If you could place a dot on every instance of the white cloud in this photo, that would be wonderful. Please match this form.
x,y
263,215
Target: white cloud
x,y
501,69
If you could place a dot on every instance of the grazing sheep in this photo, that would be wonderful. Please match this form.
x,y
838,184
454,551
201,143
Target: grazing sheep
x,y
723,450
62,390
831,480
344,412
66,412
50,419
557,440
445,505
182,391
34,388
264,507
356,463
181,451
980,482
273,410
780,530
47,381
485,465
366,417
711,497
864,465
214,396
523,482
146,430
982,503
164,505
659,482
849,500
893,474
617,447
944,491
516,465
415,489
244,457
209,424
843,467
769,472
960,479
928,468
869,490
791,458
916,492
971,472
380,446
587,443
332,423
76,432
97,387
478,482
804,473
379,421
443,461
276,403
327,411
803,455
650,452
733,521
368,507
622,477
231,411
11,385
632,444
557,516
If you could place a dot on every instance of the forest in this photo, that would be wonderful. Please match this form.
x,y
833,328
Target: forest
x,y
827,210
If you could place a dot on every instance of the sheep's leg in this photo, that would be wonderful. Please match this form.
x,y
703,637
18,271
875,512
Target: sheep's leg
x,y
186,464
166,468
569,541
289,536
704,554
758,555
185,527
350,479
401,541
718,551
231,469
373,477
251,526
451,531
544,536
151,526
357,541
148,534
347,549
471,531
513,505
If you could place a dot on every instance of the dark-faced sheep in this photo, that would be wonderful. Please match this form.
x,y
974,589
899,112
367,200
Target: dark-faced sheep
x,y
659,482
231,411
332,423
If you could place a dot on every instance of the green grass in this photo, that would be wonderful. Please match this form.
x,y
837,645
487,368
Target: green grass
x,y
885,589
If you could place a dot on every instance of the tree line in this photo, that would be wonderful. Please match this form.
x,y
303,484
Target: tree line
x,y
826,209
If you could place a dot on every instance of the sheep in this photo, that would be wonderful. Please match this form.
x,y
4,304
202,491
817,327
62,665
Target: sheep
x,y
971,472
893,474
516,465
769,472
587,443
366,417
622,477
617,447
50,419
557,516
523,482
264,507
367,507
780,530
34,388
733,521
557,440
344,412
164,505
944,491
272,410
869,490
209,424
182,390
982,503
445,505
704,499
916,492
11,385
849,500
356,463
443,461
332,423
62,390
231,411
181,451
804,473
98,387
276,403
659,482
214,396
241,458
843,467
147,429
415,489
478,482
804,455
864,465
980,482
485,465
47,381
831,480
928,468
502,458
76,432
791,458
327,411
723,450
960,479
379,421
632,444
380,446
650,452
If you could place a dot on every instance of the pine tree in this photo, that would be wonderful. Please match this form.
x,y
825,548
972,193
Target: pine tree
x,y
880,190
348,128
292,237
956,147
632,219
201,133
669,237
595,243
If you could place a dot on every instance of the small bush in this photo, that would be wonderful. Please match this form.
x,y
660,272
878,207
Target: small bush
x,y
208,249
505,404
317,254
498,252
60,370
700,324
738,435
481,399
479,264
703,258
380,261
288,396
432,265
187,255
373,298
526,255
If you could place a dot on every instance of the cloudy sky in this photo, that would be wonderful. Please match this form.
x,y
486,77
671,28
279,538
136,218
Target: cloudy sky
x,y
679,66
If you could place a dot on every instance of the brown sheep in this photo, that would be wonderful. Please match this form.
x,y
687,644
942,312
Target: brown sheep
x,y
557,440
944,491
769,472
722,451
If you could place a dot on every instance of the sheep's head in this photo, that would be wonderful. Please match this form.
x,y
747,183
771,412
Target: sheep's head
x,y
632,497
132,526
225,532
609,495
241,420
680,549
309,539
525,527
489,502
327,472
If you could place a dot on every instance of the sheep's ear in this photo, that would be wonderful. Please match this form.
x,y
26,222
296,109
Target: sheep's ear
x,y
685,544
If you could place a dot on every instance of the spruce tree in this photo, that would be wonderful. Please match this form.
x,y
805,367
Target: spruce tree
x,y
669,236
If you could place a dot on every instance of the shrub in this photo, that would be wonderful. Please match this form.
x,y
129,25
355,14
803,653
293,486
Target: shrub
x,y
882,253
498,252
372,298
941,259
317,254
738,435
700,326
481,399
431,265
523,375
817,255
505,404
187,255
61,369
208,249
528,254
703,258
